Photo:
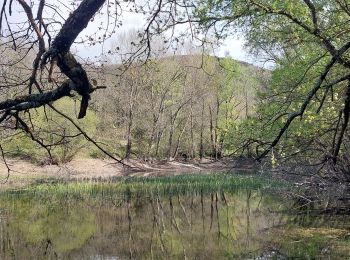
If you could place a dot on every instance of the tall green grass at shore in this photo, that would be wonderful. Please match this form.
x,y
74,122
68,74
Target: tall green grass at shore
x,y
144,186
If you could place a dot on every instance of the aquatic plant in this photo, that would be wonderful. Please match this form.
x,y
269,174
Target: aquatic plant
x,y
145,186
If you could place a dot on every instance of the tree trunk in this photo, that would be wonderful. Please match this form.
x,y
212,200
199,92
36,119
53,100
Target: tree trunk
x,y
170,143
192,153
130,122
178,140
201,146
212,138
152,138
159,136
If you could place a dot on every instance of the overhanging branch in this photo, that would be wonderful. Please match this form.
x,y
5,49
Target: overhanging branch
x,y
36,100
308,98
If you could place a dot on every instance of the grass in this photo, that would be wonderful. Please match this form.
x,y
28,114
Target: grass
x,y
146,186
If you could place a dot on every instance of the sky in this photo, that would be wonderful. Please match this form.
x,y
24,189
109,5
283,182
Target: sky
x,y
233,46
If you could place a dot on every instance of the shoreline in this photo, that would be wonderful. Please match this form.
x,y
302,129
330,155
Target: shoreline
x,y
24,173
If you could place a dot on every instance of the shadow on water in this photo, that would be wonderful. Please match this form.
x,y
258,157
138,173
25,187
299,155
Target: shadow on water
x,y
134,220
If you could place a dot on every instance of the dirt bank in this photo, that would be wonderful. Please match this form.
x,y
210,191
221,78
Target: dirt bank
x,y
23,172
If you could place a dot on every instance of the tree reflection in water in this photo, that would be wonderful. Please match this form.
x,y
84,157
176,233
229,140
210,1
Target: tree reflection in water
x,y
242,224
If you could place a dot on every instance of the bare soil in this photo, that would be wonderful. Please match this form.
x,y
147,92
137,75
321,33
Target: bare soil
x,y
23,173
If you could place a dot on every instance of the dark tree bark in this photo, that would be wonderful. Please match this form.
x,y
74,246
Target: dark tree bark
x,y
75,23
61,44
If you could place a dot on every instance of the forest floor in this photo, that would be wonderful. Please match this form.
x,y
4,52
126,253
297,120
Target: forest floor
x,y
23,172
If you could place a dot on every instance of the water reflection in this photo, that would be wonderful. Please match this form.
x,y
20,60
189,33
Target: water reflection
x,y
244,224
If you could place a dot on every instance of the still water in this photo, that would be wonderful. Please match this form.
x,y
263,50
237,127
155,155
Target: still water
x,y
242,223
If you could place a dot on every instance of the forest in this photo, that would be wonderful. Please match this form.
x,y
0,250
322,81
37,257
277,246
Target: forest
x,y
156,94
164,109
131,130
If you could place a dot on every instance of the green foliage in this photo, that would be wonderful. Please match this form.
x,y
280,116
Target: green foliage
x,y
301,37
169,185
63,141
173,101
312,134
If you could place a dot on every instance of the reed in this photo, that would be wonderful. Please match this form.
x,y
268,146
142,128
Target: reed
x,y
185,184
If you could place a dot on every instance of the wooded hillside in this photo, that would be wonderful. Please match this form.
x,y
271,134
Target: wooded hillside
x,y
176,107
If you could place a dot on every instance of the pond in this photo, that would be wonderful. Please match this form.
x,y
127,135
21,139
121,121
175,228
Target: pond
x,y
214,216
